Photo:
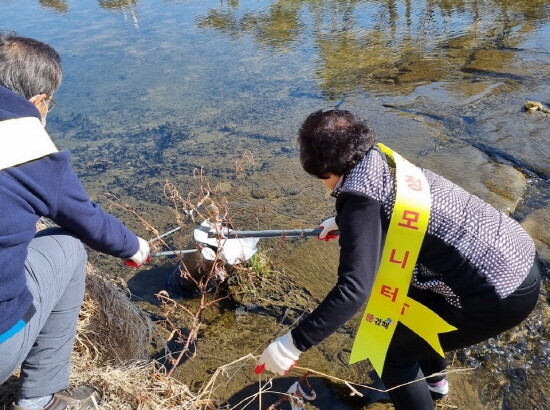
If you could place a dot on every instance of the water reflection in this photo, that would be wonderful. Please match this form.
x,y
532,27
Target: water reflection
x,y
117,4
235,67
387,46
126,7
60,6
277,27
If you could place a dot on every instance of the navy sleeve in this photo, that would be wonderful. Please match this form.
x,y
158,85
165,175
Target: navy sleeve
x,y
361,223
99,230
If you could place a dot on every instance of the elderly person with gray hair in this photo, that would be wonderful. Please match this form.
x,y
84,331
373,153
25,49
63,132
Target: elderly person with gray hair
x,y
42,275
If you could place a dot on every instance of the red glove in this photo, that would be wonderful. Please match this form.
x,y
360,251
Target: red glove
x,y
141,256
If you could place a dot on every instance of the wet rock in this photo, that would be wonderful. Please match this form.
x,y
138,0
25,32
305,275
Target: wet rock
x,y
500,185
533,106
506,185
538,226
508,133
494,62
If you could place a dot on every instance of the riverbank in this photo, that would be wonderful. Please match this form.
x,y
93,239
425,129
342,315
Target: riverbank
x,y
114,342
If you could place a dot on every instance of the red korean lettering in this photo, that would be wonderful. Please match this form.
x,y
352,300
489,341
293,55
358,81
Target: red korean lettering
x,y
389,292
410,218
369,317
403,262
405,306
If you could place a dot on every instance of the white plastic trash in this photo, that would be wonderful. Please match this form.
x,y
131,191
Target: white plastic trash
x,y
233,251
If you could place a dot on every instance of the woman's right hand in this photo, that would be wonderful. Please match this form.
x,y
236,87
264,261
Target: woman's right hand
x,y
327,227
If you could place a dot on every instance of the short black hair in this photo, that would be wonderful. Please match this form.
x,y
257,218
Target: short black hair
x,y
28,67
333,141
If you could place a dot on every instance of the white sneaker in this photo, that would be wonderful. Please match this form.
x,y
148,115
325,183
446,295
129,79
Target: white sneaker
x,y
438,392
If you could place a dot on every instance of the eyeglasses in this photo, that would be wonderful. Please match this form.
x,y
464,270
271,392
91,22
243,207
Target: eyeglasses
x,y
49,103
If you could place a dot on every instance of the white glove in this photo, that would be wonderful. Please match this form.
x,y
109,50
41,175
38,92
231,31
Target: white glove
x,y
142,255
328,226
279,356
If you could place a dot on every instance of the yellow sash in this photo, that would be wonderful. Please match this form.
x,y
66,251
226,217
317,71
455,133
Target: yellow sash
x,y
23,140
388,302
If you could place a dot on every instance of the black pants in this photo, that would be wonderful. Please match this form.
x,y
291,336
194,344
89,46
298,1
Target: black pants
x,y
484,315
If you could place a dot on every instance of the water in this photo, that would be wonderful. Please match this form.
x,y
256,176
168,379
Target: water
x,y
235,72
155,89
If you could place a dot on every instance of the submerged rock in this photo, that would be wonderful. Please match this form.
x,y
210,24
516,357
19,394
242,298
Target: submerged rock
x,y
500,185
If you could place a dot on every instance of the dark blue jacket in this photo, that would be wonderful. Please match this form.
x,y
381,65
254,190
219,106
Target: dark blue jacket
x,y
45,187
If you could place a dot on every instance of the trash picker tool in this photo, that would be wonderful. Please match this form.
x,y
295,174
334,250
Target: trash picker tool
x,y
170,253
165,234
234,244
272,233
131,263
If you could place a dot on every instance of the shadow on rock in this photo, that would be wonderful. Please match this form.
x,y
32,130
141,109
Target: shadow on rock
x,y
295,393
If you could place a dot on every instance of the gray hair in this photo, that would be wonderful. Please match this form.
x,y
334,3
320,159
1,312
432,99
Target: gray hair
x,y
28,67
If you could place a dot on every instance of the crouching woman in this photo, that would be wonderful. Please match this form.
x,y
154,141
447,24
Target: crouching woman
x,y
467,272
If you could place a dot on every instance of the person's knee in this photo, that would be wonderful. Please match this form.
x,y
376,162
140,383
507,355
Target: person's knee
x,y
399,370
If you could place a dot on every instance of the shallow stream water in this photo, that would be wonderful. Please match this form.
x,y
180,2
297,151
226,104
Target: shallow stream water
x,y
153,90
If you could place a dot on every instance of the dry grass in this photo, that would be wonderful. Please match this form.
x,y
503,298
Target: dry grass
x,y
114,341
112,347
111,328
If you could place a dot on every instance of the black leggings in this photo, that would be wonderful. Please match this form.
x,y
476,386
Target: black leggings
x,y
484,315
